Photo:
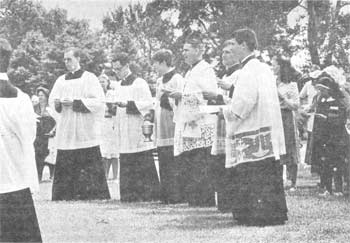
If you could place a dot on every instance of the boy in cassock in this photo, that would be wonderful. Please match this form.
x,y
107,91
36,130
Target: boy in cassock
x,y
18,176
138,175
165,107
78,100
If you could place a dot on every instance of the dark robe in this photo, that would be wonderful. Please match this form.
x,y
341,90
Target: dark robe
x,y
138,175
79,173
256,190
18,220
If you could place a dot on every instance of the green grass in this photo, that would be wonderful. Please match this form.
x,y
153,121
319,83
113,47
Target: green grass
x,y
311,219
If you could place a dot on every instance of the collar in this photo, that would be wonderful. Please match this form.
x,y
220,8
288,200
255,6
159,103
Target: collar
x,y
247,59
3,76
168,76
129,80
232,69
74,75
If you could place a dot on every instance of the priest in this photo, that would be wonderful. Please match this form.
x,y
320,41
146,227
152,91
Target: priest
x,y
138,175
226,88
78,100
18,175
255,140
194,128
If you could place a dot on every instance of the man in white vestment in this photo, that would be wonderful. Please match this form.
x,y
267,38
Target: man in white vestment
x,y
18,176
255,139
226,84
169,83
194,129
78,100
138,175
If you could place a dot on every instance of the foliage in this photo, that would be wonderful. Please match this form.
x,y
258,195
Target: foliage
x,y
39,38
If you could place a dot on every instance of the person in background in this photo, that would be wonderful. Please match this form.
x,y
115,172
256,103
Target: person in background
x,y
138,174
254,140
289,102
45,125
109,148
330,137
308,93
18,174
78,100
165,107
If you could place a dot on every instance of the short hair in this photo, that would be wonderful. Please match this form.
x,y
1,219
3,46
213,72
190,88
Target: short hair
x,y
5,55
163,55
76,51
122,58
195,39
248,36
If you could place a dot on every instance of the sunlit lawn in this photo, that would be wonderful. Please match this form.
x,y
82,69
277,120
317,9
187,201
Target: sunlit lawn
x,y
311,219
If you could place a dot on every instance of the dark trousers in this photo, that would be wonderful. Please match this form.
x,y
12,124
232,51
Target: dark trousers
x,y
18,221
332,172
169,172
198,172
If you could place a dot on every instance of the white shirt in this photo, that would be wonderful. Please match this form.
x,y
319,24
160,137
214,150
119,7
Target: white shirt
x,y
17,135
77,130
254,129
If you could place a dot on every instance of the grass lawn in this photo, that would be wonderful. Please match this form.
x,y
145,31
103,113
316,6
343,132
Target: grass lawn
x,y
311,219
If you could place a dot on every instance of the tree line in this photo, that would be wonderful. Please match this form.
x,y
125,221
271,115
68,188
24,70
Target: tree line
x,y
39,36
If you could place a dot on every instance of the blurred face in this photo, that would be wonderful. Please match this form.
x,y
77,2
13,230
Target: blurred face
x,y
159,67
191,54
71,62
228,56
104,82
323,91
119,69
42,97
237,49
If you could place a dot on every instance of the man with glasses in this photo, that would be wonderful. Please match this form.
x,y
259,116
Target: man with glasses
x,y
78,100
138,175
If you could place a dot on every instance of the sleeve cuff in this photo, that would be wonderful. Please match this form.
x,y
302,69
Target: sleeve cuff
x,y
78,106
131,108
164,102
231,91
58,107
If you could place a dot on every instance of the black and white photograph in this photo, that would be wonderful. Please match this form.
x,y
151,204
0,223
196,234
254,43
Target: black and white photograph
x,y
175,121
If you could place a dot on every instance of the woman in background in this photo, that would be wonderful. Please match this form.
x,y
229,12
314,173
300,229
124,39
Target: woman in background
x,y
45,124
289,101
110,155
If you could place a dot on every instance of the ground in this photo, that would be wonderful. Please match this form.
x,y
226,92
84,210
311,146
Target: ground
x,y
311,219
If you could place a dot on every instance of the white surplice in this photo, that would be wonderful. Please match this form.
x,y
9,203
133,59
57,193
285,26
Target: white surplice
x,y
129,126
164,119
254,129
17,134
76,130
194,129
219,139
